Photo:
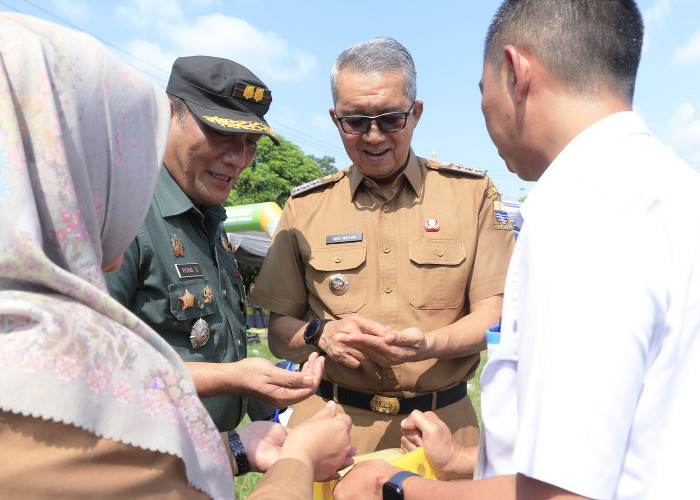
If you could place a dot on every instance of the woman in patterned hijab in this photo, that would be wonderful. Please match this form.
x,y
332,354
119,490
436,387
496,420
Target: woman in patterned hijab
x,y
93,403
82,379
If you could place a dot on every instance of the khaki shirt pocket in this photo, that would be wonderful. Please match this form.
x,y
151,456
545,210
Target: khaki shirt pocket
x,y
199,307
438,273
345,262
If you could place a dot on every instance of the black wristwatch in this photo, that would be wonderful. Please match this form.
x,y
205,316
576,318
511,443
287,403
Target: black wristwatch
x,y
313,332
239,454
392,489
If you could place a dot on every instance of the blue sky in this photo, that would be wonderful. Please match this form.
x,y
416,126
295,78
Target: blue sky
x,y
291,46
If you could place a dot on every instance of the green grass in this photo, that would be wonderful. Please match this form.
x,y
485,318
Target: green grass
x,y
245,484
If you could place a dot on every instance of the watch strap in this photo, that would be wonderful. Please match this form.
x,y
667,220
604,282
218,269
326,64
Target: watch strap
x,y
313,342
395,482
239,454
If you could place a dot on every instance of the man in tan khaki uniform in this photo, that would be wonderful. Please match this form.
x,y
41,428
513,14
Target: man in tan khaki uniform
x,y
405,258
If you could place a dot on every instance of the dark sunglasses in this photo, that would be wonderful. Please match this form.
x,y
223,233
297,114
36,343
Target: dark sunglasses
x,y
387,122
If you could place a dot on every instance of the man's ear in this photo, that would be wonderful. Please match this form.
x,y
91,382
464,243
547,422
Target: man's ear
x,y
518,72
173,110
331,111
417,112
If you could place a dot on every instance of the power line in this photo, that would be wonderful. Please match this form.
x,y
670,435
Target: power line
x,y
106,42
306,139
298,135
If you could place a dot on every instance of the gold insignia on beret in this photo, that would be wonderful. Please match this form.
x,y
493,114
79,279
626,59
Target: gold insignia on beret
x,y
250,92
240,124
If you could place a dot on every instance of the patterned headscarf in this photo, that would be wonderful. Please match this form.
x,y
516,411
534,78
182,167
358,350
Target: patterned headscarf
x,y
81,140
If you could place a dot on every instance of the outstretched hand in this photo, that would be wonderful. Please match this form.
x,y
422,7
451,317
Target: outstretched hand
x,y
322,443
279,387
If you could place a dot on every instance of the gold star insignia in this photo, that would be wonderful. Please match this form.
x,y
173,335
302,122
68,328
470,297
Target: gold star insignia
x,y
187,299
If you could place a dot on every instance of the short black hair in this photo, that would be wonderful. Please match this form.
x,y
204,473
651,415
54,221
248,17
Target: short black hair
x,y
586,44
180,108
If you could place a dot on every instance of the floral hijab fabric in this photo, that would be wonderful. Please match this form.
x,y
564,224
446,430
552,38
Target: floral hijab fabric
x,y
81,140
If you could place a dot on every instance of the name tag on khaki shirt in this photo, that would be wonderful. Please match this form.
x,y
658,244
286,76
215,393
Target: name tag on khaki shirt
x,y
343,238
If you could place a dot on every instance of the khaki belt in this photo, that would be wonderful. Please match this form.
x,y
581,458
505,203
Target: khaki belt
x,y
387,405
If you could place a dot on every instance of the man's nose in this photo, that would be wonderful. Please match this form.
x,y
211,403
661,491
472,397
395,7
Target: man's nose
x,y
235,153
374,134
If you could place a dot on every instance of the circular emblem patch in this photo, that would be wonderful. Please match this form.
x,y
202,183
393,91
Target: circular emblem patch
x,y
338,284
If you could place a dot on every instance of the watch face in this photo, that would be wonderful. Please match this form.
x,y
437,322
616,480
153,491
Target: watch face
x,y
392,491
311,331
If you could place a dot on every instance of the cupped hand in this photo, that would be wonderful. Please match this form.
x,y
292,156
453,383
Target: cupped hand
x,y
387,348
262,442
448,458
353,325
279,387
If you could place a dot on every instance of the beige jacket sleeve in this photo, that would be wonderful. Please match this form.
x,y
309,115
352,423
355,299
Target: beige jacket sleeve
x,y
46,459
287,478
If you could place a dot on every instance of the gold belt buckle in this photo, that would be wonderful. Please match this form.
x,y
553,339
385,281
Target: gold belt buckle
x,y
384,405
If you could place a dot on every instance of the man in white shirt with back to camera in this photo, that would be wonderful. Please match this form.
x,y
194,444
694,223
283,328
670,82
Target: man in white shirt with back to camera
x,y
592,391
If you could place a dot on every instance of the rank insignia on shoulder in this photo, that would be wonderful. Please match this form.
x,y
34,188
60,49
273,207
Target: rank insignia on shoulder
x,y
456,167
327,179
177,246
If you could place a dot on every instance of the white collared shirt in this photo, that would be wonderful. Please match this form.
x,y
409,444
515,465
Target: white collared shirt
x,y
594,386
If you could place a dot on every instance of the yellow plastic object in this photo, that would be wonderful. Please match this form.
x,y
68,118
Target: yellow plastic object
x,y
414,461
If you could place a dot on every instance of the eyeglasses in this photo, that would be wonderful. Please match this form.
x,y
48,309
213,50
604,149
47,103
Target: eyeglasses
x,y
387,122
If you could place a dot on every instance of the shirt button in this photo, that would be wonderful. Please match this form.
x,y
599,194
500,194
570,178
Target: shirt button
x,y
439,252
390,374
337,259
387,289
387,249
385,209
224,292
368,183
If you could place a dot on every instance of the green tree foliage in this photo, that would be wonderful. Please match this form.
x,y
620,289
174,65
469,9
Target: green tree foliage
x,y
271,176
327,164
275,171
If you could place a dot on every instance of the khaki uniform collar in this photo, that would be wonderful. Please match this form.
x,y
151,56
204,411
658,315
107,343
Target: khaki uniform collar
x,y
412,172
